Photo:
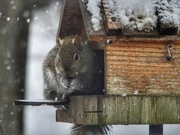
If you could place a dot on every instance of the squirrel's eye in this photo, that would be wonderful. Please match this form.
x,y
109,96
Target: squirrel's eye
x,y
76,57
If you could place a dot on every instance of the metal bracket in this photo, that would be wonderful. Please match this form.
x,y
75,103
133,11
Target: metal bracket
x,y
169,48
41,102
155,129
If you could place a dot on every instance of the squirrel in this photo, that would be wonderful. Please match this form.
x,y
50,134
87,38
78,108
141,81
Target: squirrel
x,y
71,68
68,69
91,130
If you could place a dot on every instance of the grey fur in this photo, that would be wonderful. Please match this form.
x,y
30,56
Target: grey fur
x,y
59,86
91,130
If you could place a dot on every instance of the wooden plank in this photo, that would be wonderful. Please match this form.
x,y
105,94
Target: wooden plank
x,y
98,45
120,112
146,106
71,21
166,26
162,38
76,20
135,110
87,21
100,42
113,27
93,111
116,109
75,111
166,113
127,32
142,68
167,30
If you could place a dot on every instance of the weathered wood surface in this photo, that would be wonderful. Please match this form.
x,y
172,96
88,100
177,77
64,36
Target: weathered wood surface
x,y
115,28
111,24
142,68
111,109
75,19
71,22
167,27
87,21
100,42
167,30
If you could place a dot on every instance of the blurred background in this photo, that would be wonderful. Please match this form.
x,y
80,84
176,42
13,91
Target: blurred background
x,y
28,31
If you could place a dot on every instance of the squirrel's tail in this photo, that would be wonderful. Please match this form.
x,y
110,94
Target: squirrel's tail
x,y
91,130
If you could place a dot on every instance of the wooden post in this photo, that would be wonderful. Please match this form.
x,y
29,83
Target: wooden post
x,y
13,41
155,129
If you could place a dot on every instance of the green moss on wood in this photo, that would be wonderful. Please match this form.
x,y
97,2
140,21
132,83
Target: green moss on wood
x,y
110,109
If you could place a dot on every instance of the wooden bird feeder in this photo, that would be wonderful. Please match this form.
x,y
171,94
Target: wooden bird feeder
x,y
142,71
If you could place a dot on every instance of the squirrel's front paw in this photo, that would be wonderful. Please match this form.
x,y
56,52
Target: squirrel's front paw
x,y
64,82
61,107
75,84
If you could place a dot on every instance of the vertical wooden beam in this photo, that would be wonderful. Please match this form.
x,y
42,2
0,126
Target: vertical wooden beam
x,y
155,129
71,21
13,39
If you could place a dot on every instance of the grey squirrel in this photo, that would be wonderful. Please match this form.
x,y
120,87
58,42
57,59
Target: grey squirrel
x,y
71,68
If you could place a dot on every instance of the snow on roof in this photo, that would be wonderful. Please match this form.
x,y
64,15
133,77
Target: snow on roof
x,y
169,12
136,14
93,8
133,14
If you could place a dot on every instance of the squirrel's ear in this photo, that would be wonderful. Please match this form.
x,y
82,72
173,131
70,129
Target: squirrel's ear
x,y
77,42
60,42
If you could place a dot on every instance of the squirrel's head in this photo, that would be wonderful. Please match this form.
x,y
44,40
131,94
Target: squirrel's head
x,y
69,59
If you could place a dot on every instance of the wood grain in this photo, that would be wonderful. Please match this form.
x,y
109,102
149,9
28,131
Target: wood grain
x,y
114,109
112,26
71,21
142,68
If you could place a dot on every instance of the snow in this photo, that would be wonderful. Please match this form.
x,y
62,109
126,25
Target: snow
x,y
28,20
177,11
124,95
14,7
26,13
8,18
136,14
168,12
133,14
93,8
8,67
136,92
